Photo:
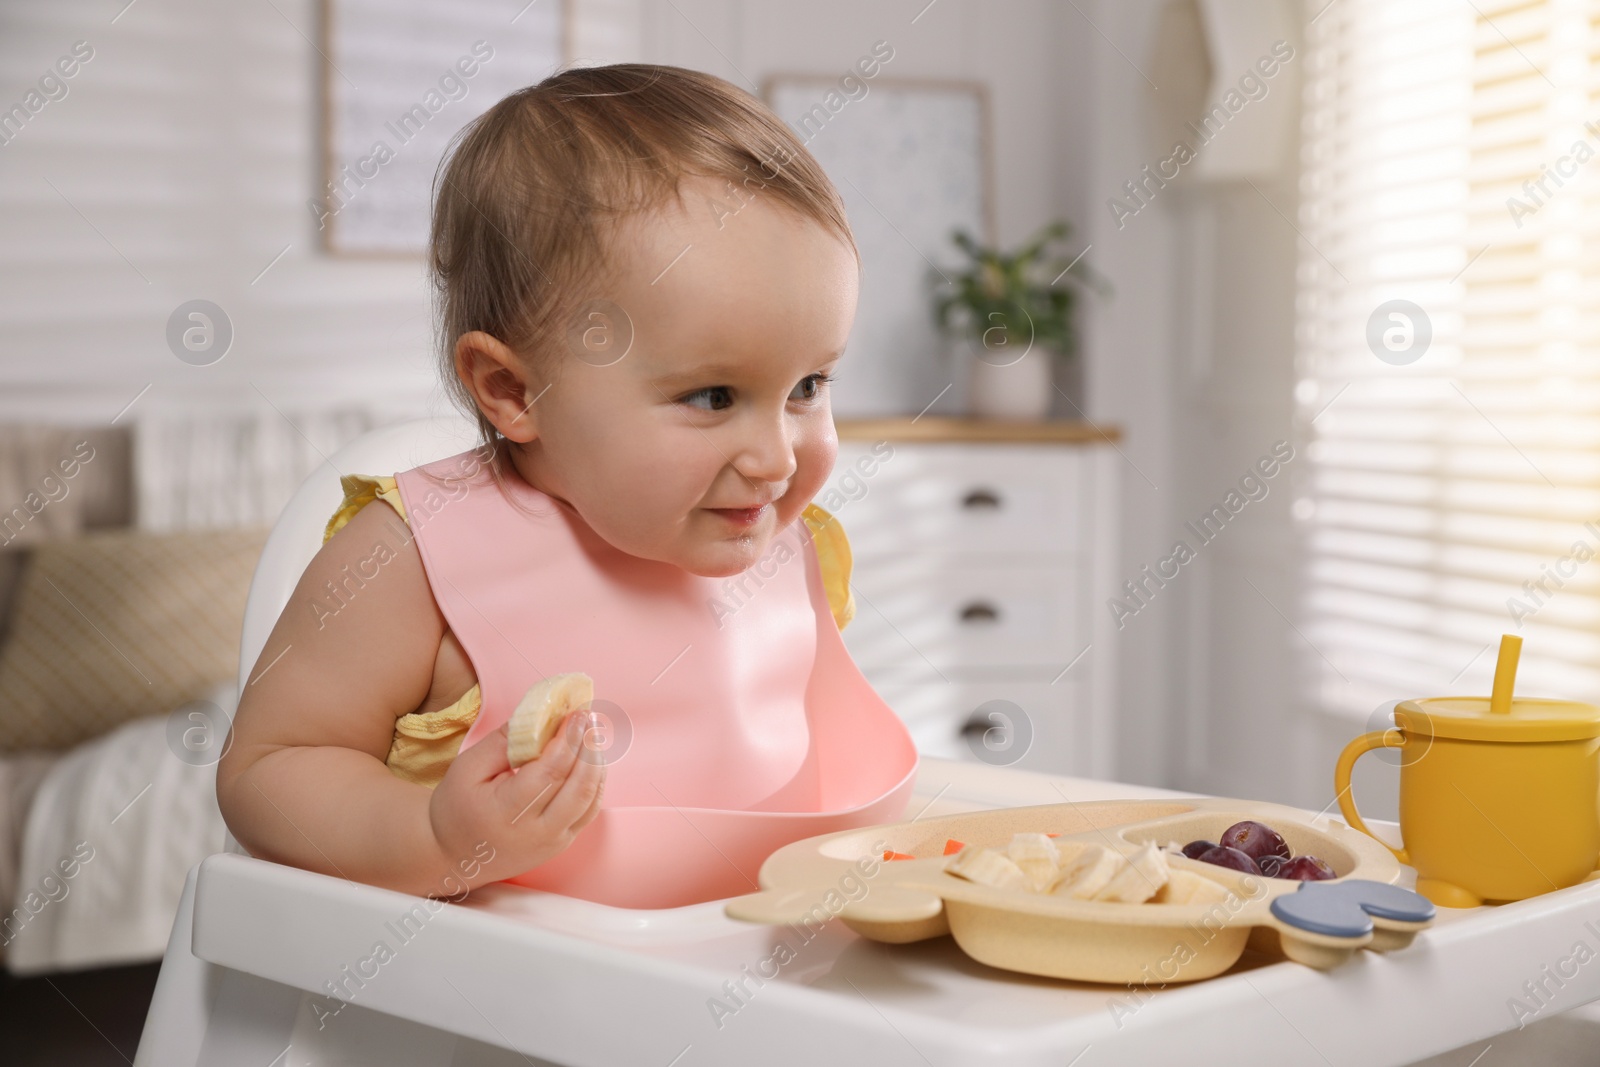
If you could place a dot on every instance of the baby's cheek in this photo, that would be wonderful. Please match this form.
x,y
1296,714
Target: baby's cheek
x,y
654,508
673,504
813,464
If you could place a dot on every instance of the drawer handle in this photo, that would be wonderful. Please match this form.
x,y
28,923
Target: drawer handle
x,y
980,611
998,732
977,725
981,498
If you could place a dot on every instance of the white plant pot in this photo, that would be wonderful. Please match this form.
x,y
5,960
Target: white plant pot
x,y
1018,392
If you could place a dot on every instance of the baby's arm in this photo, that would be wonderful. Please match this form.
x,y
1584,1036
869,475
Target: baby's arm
x,y
304,780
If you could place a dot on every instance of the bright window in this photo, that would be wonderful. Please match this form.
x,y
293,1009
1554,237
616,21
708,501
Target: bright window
x,y
1448,164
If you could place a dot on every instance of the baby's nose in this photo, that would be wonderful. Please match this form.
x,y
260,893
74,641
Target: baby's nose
x,y
767,457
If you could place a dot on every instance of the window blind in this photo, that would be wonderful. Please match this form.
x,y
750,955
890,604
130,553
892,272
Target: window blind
x,y
1449,390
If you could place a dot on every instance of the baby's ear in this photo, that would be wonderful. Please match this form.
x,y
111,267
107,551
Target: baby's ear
x,y
499,382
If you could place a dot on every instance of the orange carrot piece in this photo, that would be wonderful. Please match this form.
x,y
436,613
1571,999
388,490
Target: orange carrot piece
x,y
890,854
952,846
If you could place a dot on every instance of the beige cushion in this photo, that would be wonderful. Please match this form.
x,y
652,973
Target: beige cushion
x,y
57,481
112,626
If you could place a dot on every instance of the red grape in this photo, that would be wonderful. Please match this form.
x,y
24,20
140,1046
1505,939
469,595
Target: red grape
x,y
1256,840
1194,848
1223,856
1306,869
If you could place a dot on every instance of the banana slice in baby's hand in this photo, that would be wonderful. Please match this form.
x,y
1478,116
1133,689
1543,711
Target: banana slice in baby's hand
x,y
541,710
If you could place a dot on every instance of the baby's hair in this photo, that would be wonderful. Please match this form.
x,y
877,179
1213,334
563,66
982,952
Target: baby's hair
x,y
529,191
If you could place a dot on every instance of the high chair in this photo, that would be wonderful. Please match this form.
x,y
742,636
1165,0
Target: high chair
x,y
279,967
204,1013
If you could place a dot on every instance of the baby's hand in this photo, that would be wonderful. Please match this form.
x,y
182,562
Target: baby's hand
x,y
526,816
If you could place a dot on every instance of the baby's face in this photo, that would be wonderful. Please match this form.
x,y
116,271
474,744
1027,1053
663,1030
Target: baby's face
x,y
714,430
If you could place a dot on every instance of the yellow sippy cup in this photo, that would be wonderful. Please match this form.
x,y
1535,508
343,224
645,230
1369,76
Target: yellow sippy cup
x,y
1499,797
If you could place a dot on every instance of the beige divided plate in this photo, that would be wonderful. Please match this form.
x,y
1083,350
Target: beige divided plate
x,y
843,875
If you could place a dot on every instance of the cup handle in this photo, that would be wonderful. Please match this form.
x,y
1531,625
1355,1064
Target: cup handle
x,y
1341,781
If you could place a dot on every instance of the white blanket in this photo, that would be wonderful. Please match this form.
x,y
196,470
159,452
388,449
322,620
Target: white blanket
x,y
113,831
20,775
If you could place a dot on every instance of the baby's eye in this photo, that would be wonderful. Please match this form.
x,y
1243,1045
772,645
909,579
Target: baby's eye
x,y
809,387
712,398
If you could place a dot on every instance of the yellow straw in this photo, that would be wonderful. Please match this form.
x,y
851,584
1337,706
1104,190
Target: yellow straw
x,y
1505,674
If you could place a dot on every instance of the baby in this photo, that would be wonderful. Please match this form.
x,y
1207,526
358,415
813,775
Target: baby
x,y
645,283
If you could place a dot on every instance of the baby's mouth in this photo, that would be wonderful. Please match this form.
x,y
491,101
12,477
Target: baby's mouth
x,y
742,517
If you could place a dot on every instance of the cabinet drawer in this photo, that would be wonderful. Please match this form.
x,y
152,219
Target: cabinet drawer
x,y
1001,499
908,616
1031,725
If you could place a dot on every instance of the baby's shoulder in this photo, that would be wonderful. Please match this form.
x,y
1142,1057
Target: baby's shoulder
x,y
359,636
359,491
362,542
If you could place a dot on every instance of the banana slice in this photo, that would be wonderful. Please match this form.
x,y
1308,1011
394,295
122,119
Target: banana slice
x,y
541,710
1141,877
1067,851
1026,846
1186,887
1038,857
986,867
1088,872
1038,875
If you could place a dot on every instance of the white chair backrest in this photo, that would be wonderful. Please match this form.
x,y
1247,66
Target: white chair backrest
x,y
297,535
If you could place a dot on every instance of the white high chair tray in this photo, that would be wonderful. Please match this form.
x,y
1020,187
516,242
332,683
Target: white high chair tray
x,y
570,982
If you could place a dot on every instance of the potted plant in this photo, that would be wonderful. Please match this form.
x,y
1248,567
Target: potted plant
x,y
1015,312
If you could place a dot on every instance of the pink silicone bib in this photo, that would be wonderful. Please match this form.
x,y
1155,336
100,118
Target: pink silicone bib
x,y
741,721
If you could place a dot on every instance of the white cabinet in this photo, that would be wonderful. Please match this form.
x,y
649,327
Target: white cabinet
x,y
982,569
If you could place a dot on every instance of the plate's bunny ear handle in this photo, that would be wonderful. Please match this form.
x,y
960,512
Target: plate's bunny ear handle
x,y
1390,738
1347,907
772,905
1354,910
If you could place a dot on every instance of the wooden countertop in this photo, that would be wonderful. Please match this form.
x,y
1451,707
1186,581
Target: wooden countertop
x,y
947,428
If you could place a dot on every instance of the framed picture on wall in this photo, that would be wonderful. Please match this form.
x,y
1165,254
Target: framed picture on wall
x,y
912,161
399,79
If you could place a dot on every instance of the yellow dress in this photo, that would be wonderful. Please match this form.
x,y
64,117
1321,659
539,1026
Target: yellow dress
x,y
425,743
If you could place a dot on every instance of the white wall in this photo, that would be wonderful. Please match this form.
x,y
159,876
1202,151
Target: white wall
x,y
1130,339
178,166
1024,49
1195,359
184,153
